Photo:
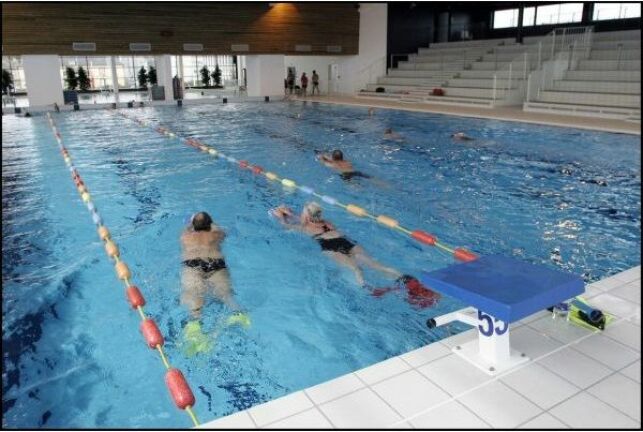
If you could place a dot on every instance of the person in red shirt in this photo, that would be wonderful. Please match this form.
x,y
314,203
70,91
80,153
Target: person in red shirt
x,y
304,84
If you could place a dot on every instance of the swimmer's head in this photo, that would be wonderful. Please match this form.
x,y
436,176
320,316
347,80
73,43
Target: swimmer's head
x,y
388,130
201,221
313,211
337,155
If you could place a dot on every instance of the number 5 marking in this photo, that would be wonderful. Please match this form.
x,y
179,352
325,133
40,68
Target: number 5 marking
x,y
489,329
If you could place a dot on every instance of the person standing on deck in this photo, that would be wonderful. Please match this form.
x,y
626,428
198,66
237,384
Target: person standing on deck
x,y
315,83
304,84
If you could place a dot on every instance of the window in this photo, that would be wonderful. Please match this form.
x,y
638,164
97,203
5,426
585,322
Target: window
x,y
560,13
528,17
505,18
127,68
608,11
98,70
13,64
192,66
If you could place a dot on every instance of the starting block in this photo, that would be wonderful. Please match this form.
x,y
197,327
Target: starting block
x,y
500,290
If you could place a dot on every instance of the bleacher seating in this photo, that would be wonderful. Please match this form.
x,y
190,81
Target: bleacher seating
x,y
464,70
606,84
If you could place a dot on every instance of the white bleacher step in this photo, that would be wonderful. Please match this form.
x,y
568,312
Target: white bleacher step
x,y
621,87
619,35
609,65
582,110
432,66
391,88
584,98
612,75
490,65
387,80
485,83
473,92
613,45
456,59
485,74
420,74
472,43
615,54
459,100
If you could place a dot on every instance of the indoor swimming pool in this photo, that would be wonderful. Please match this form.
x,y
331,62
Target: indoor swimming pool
x,y
73,353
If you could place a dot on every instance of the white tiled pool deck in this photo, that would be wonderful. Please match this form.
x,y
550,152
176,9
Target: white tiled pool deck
x,y
575,379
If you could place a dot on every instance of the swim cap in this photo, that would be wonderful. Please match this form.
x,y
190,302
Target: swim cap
x,y
338,155
201,221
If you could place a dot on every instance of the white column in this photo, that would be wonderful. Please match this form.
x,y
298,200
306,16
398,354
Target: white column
x,y
114,78
179,65
43,80
356,71
265,75
164,74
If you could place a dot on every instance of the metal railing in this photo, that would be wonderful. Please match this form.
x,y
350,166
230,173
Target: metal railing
x,y
603,75
513,83
372,71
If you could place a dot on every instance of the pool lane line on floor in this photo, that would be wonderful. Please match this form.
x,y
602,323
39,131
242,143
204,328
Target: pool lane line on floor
x,y
458,253
176,383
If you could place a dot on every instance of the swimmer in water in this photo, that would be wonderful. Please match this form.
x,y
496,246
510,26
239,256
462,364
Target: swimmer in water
x,y
390,135
332,242
204,268
461,136
335,160
204,271
371,111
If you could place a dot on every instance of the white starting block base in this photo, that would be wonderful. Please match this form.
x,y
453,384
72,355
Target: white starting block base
x,y
470,351
491,352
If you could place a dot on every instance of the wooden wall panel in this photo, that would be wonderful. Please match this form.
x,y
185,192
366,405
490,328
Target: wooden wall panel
x,y
50,28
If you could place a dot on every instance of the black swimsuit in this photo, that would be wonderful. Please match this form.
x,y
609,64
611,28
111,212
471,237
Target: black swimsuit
x,y
337,244
208,265
350,174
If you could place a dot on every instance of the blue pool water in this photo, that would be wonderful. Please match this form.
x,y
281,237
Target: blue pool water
x,y
72,352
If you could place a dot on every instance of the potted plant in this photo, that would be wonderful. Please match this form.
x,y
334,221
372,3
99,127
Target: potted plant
x,y
142,78
7,82
205,76
158,92
84,82
216,76
151,76
71,80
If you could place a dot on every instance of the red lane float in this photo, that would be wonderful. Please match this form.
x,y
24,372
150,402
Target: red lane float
x,y
462,254
243,163
151,333
179,389
257,169
424,237
135,297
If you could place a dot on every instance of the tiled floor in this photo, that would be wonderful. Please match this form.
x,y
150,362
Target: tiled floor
x,y
575,379
500,113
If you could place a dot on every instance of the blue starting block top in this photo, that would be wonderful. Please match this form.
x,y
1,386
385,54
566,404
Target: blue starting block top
x,y
503,287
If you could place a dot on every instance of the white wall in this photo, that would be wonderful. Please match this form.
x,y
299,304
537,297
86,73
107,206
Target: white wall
x,y
43,80
265,75
357,71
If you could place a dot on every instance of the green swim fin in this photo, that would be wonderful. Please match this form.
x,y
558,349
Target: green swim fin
x,y
239,318
194,340
575,316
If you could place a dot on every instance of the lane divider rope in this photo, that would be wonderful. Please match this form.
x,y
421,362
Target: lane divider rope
x,y
175,381
459,253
